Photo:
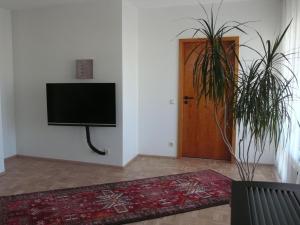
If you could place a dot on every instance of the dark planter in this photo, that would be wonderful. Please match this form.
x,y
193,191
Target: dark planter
x,y
264,203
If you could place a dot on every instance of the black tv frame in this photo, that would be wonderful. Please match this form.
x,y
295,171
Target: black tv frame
x,y
86,125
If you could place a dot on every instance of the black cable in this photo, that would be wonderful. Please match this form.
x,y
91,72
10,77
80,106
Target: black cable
x,y
88,138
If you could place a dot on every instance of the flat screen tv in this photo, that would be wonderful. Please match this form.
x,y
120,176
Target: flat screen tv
x,y
78,104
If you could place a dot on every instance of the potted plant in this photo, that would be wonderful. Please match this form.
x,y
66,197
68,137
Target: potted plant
x,y
260,96
260,92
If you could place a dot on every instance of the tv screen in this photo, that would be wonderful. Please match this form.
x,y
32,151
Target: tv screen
x,y
92,104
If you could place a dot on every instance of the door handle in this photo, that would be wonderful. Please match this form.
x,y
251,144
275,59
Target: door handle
x,y
186,98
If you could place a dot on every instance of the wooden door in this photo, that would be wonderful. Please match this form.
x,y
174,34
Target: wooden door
x,y
199,136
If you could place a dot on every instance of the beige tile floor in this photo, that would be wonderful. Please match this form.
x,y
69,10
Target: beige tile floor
x,y
24,175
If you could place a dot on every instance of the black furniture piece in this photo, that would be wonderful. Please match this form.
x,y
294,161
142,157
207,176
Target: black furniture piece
x,y
262,203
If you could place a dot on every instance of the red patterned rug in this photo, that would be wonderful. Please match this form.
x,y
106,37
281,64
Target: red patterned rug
x,y
118,203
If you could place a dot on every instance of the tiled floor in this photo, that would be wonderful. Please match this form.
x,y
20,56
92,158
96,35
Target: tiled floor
x,y
25,175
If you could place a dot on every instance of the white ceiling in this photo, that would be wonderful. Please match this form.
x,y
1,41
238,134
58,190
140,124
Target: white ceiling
x,y
168,3
28,4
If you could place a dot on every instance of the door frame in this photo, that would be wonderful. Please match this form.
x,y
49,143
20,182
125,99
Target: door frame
x,y
236,39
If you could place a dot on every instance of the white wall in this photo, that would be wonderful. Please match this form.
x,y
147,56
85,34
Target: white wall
x,y
130,81
158,65
2,168
6,89
46,44
137,50
7,84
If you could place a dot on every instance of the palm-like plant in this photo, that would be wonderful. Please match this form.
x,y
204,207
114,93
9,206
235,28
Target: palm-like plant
x,y
261,93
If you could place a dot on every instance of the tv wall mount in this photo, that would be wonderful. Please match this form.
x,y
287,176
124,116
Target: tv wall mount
x,y
92,147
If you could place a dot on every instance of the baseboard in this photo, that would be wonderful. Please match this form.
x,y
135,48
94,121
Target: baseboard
x,y
66,161
158,156
2,174
87,163
278,178
131,161
10,158
7,160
